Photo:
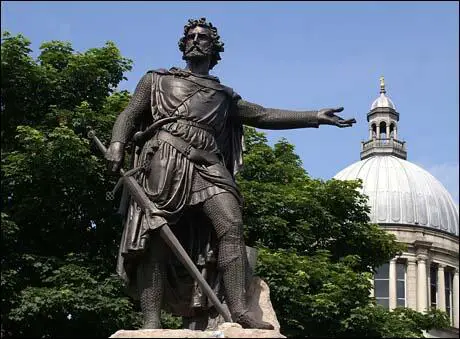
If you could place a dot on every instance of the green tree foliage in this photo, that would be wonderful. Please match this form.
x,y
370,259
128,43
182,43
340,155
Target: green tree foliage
x,y
60,236
59,233
317,249
59,78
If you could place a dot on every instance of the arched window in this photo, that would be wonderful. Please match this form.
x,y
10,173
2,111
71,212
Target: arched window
x,y
392,131
383,130
374,131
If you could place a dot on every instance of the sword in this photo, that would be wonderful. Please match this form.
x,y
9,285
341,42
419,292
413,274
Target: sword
x,y
166,234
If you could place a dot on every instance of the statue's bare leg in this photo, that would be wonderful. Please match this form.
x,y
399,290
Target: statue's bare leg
x,y
150,280
225,215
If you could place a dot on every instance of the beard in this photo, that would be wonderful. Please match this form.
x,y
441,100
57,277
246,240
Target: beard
x,y
196,52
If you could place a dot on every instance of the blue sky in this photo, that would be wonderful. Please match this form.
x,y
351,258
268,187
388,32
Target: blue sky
x,y
294,55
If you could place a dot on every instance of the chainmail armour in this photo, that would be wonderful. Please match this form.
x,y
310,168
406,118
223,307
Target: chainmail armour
x,y
150,279
224,213
215,115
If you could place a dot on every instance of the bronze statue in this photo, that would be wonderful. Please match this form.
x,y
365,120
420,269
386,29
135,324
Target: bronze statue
x,y
186,163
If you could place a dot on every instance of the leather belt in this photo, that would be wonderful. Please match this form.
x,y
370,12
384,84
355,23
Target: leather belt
x,y
196,155
195,124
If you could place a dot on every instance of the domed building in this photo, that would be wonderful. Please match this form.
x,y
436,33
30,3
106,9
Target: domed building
x,y
410,203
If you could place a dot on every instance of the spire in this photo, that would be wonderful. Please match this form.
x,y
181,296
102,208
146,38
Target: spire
x,y
383,100
383,128
382,85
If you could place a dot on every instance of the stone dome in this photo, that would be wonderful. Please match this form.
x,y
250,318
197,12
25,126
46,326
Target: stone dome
x,y
383,101
403,193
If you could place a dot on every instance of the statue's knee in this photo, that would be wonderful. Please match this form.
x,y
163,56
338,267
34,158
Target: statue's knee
x,y
231,248
226,259
230,229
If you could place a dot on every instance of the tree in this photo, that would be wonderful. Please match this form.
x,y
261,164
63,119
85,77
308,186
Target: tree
x,y
60,236
317,249
59,232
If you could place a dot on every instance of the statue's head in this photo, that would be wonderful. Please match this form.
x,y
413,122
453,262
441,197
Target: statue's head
x,y
201,40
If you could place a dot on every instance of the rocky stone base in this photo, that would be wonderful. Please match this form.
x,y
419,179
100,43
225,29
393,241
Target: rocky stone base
x,y
225,330
259,304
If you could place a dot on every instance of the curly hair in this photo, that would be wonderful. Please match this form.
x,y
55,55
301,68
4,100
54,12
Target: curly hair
x,y
218,46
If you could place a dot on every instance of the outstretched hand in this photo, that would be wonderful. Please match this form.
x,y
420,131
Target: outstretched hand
x,y
326,116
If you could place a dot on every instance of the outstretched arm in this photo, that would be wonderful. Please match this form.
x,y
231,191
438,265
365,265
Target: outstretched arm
x,y
124,126
271,118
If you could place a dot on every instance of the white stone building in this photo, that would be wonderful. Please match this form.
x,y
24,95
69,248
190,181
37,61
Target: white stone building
x,y
410,203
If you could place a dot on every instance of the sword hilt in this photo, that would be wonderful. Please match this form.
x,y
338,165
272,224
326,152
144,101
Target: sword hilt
x,y
100,145
110,195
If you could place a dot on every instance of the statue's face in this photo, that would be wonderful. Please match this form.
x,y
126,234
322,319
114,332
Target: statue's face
x,y
198,43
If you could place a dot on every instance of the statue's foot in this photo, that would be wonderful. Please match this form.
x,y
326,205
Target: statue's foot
x,y
151,325
247,320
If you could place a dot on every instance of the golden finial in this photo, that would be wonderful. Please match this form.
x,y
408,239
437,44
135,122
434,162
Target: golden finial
x,y
382,85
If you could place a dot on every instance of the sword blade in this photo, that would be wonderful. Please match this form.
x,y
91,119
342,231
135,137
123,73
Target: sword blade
x,y
169,237
166,234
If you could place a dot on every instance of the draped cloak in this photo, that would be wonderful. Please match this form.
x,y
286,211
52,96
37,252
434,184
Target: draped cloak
x,y
174,183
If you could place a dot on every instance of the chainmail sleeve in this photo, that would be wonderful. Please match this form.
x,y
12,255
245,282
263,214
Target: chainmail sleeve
x,y
124,126
271,118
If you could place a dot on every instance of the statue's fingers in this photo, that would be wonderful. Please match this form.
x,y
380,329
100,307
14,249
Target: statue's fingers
x,y
339,109
345,123
350,121
341,120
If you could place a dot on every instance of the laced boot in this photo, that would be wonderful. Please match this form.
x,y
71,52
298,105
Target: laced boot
x,y
234,283
247,320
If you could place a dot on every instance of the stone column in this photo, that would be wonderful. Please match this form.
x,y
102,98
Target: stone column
x,y
441,288
372,286
388,131
455,298
392,287
378,131
395,132
411,297
370,133
422,287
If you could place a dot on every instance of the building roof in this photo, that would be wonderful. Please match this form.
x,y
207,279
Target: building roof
x,y
383,101
401,192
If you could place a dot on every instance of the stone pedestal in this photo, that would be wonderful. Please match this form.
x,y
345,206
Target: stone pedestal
x,y
225,330
259,304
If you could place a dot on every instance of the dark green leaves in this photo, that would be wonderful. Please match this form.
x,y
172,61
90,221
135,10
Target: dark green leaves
x,y
317,250
60,233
